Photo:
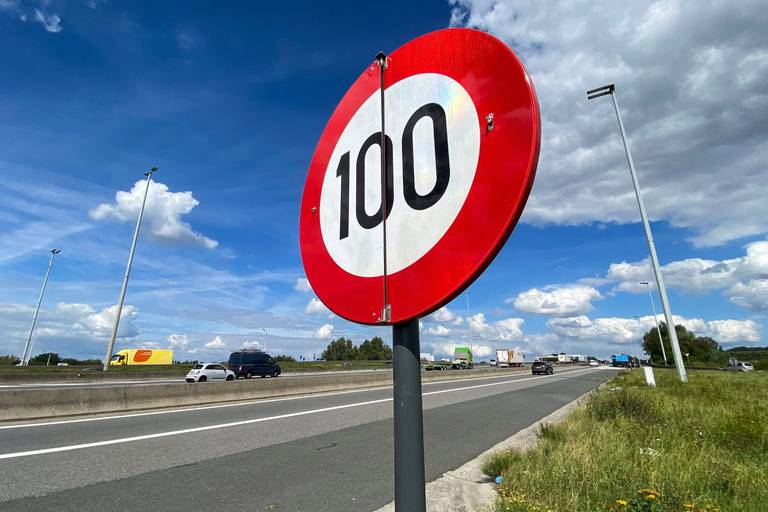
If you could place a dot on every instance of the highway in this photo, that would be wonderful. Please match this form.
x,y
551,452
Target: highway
x,y
325,452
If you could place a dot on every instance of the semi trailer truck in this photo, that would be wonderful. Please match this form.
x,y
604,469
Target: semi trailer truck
x,y
462,358
140,356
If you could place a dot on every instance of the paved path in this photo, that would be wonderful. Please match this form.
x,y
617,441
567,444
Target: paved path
x,y
320,452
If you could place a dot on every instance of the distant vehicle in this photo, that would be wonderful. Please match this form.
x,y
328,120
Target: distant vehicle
x,y
594,363
249,363
739,366
140,356
443,364
545,367
462,358
492,362
209,371
619,360
509,357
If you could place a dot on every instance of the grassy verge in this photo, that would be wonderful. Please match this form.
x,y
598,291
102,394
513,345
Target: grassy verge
x,y
701,447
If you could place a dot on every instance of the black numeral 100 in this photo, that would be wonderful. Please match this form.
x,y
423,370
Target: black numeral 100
x,y
412,197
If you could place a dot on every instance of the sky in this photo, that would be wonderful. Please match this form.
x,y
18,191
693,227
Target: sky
x,y
228,100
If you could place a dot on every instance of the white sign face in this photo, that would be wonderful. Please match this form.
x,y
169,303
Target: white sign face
x,y
433,144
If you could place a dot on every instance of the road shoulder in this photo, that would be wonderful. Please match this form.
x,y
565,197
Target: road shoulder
x,y
467,488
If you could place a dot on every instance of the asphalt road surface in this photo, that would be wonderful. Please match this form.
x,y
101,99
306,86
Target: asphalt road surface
x,y
326,452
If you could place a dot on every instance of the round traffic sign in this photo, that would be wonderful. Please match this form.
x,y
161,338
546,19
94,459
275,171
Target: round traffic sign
x,y
462,134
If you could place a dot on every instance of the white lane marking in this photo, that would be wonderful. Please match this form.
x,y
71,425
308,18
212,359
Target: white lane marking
x,y
247,422
250,402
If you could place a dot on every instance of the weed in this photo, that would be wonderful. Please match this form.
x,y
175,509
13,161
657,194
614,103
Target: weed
x,y
699,446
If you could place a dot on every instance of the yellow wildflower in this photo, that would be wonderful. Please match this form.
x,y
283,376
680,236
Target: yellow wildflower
x,y
623,503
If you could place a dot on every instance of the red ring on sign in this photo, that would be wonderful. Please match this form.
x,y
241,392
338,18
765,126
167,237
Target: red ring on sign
x,y
497,83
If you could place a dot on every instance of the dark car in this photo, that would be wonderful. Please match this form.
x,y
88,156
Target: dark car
x,y
249,363
544,367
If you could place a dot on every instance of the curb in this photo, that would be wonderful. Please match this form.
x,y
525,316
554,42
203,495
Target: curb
x,y
468,489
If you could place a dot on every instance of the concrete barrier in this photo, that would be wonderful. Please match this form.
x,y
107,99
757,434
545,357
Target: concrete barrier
x,y
18,404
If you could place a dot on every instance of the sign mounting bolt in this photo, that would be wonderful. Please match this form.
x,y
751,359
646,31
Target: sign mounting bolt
x,y
489,122
314,210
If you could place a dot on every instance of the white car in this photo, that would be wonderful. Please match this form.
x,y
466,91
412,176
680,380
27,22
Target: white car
x,y
594,363
209,371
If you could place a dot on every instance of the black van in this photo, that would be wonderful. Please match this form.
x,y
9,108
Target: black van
x,y
248,363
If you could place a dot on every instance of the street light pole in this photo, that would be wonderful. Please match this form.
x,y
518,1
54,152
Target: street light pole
x,y
265,338
111,345
28,345
611,89
469,326
656,321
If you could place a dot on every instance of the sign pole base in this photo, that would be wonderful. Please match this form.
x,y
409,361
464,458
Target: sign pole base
x,y
409,425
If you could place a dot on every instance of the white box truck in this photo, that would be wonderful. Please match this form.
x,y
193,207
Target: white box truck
x,y
508,357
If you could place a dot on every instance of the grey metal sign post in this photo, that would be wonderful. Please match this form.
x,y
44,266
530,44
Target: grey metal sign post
x,y
611,89
409,425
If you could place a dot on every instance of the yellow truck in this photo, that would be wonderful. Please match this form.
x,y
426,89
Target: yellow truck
x,y
134,356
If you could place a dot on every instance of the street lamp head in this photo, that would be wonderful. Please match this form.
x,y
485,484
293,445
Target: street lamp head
x,y
151,171
600,91
55,251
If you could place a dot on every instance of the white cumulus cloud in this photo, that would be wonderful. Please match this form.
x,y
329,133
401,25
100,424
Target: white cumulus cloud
x,y
100,323
216,343
509,329
744,280
751,295
446,316
162,213
699,152
302,285
556,300
616,330
438,330
325,331
179,341
316,307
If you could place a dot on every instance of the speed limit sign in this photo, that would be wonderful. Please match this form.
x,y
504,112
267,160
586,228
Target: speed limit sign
x,y
461,143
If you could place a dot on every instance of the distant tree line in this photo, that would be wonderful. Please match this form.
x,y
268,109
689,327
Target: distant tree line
x,y
701,350
8,360
342,349
55,358
41,359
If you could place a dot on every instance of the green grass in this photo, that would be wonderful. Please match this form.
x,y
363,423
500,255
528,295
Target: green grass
x,y
699,445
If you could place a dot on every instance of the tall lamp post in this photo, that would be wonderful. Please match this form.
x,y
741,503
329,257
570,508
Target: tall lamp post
x,y
656,321
28,346
265,338
111,345
611,89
